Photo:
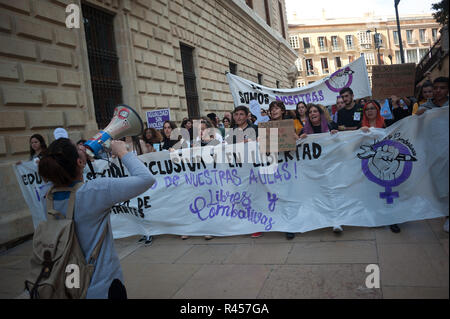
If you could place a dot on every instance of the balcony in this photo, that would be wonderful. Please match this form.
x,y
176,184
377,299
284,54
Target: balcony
x,y
309,50
351,47
310,73
336,48
324,49
412,42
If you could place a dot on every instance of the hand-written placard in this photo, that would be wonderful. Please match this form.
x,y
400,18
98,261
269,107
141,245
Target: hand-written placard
x,y
394,79
285,136
156,118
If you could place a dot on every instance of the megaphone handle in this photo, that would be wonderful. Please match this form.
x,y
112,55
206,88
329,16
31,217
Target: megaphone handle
x,y
89,152
107,145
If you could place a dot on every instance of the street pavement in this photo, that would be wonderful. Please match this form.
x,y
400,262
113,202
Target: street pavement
x,y
318,264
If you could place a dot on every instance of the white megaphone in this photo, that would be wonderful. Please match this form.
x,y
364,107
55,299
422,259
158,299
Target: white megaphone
x,y
125,122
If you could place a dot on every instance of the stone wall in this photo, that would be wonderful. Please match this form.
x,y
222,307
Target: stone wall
x,y
45,80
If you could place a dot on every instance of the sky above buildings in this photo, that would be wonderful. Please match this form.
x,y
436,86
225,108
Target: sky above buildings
x,y
354,8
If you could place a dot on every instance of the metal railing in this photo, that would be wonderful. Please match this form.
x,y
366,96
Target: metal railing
x,y
336,48
309,50
433,56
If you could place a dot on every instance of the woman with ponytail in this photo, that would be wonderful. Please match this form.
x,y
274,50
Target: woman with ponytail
x,y
62,164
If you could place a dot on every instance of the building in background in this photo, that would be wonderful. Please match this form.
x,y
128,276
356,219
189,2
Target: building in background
x,y
325,45
149,54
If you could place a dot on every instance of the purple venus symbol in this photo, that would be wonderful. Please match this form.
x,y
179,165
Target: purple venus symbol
x,y
388,194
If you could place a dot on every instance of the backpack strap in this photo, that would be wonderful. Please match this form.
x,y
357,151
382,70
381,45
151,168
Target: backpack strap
x,y
70,212
96,251
70,207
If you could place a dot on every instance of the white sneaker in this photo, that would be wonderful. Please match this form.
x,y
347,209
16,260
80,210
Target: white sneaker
x,y
446,225
337,229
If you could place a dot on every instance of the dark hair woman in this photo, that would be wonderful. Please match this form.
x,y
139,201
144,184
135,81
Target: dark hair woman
x,y
63,164
135,145
316,122
37,146
168,127
187,124
152,138
226,122
425,93
300,116
169,143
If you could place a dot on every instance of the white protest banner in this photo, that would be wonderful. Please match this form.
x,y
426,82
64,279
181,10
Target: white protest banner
x,y
31,185
324,91
383,177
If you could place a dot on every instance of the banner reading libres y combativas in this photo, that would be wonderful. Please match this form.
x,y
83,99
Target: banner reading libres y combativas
x,y
353,75
384,177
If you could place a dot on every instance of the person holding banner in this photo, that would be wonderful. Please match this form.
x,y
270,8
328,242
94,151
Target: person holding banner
x,y
277,111
349,117
440,95
187,124
226,122
300,116
400,108
37,146
63,164
440,99
208,134
135,145
152,139
317,123
372,116
168,142
339,105
215,121
243,129
425,93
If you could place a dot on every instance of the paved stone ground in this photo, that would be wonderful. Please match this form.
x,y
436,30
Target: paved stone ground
x,y
317,264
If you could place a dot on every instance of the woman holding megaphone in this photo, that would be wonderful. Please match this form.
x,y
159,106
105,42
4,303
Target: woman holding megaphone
x,y
63,164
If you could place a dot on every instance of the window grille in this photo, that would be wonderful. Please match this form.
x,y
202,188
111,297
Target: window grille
x,y
103,63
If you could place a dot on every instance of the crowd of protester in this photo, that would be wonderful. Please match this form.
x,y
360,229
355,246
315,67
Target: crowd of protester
x,y
346,114
63,161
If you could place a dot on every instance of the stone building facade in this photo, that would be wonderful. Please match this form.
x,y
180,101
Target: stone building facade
x,y
149,54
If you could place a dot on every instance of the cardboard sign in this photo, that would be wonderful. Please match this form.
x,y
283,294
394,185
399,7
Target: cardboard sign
x,y
394,79
156,119
277,132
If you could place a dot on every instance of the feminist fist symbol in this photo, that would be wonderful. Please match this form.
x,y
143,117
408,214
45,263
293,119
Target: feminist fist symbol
x,y
385,162
381,165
